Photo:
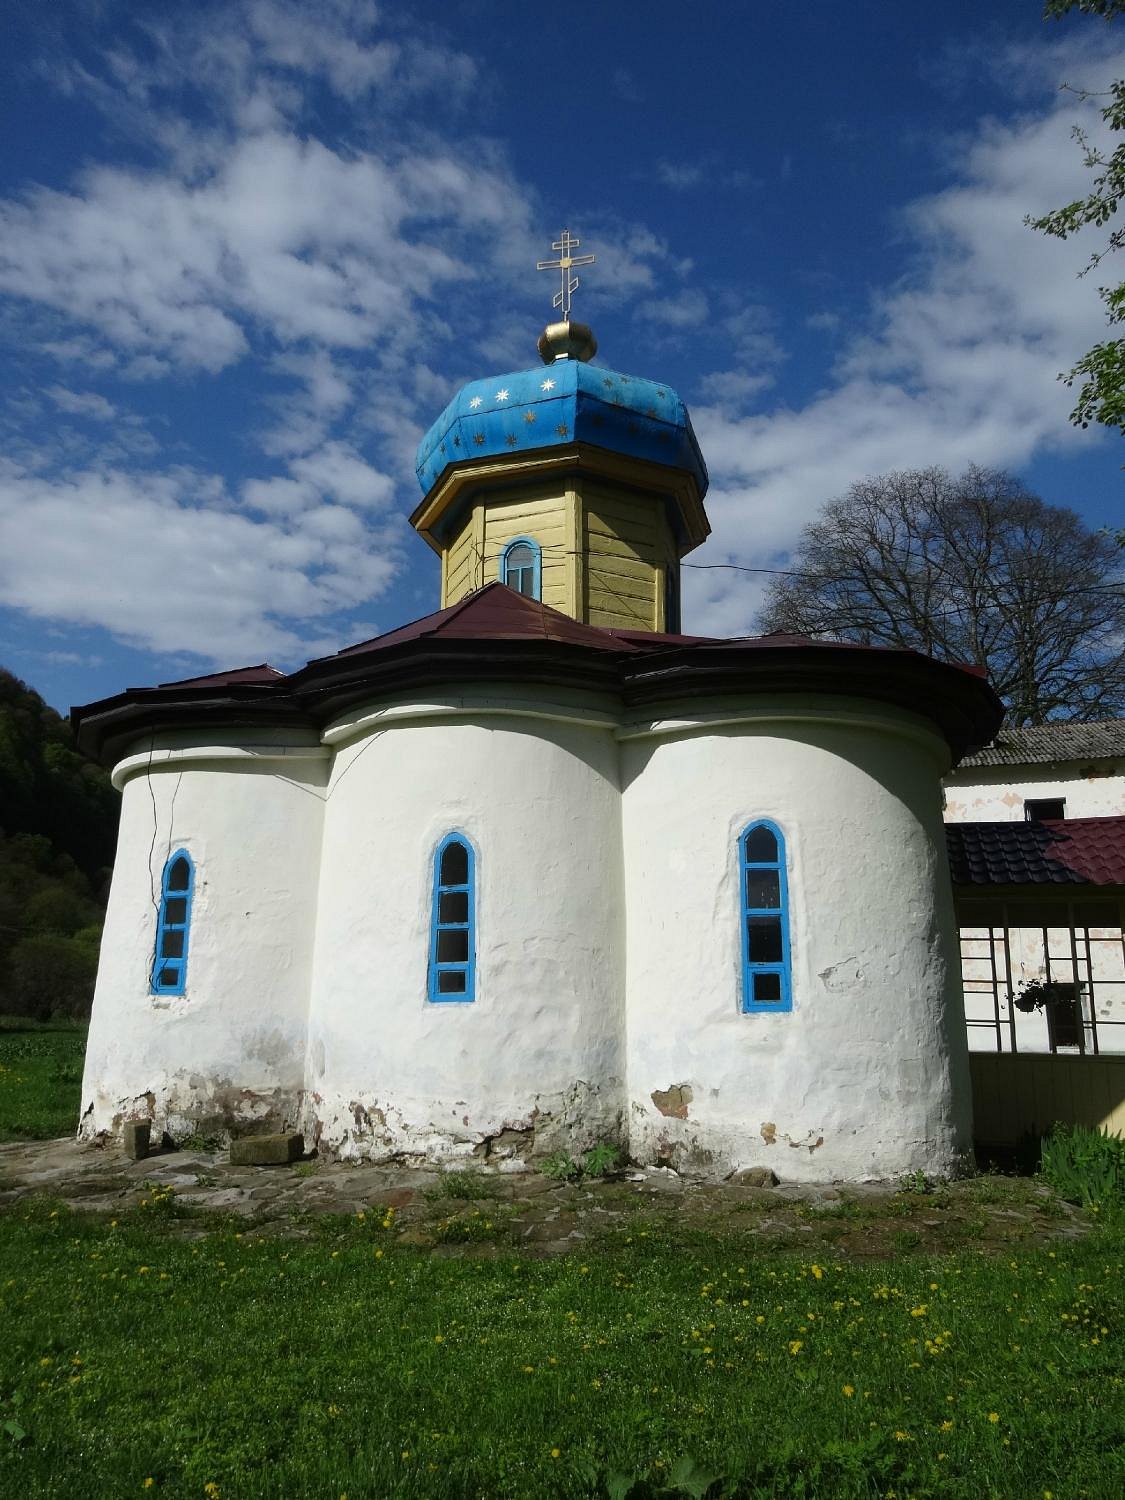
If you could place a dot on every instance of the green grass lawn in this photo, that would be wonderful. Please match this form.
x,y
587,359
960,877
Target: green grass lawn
x,y
165,1354
136,1358
40,1078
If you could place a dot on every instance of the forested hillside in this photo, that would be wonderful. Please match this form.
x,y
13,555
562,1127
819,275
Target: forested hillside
x,y
58,828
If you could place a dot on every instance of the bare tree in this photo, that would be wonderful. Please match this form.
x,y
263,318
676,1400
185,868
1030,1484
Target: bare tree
x,y
968,569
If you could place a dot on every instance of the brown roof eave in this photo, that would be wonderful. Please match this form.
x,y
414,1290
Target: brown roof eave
x,y
103,731
961,705
329,688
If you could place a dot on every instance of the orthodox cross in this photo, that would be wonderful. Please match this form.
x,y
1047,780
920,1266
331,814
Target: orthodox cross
x,y
564,245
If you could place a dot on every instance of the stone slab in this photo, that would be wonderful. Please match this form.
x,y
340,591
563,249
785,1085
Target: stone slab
x,y
266,1150
135,1138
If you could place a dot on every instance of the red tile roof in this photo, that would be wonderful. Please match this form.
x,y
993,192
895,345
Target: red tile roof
x,y
1070,851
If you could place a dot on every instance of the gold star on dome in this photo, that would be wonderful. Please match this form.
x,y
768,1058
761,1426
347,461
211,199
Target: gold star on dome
x,y
511,440
562,430
478,438
529,416
474,403
501,395
548,385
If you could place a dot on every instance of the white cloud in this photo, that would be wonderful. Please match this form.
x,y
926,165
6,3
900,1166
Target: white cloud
x,y
686,309
141,556
281,239
680,176
82,403
336,469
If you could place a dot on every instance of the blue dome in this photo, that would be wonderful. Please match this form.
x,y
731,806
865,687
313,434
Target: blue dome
x,y
560,403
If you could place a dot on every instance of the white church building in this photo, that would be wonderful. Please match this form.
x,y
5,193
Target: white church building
x,y
538,870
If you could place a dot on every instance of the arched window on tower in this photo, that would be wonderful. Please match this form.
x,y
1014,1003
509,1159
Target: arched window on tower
x,y
521,567
453,928
169,963
764,900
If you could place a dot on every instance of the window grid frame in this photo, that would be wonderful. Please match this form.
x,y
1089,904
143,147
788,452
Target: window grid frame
x,y
536,565
750,1006
163,925
468,966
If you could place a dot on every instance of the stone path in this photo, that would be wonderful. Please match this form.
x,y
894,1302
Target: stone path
x,y
491,1213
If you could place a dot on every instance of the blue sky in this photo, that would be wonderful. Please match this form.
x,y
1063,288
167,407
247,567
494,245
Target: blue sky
x,y
249,249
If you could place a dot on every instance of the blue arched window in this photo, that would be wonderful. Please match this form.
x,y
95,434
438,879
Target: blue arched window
x,y
764,899
169,963
521,564
453,927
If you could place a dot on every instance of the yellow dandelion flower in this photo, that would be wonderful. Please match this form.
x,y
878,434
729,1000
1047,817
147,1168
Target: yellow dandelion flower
x,y
439,1338
795,1346
817,1272
994,1416
947,1426
148,1484
556,1452
848,1390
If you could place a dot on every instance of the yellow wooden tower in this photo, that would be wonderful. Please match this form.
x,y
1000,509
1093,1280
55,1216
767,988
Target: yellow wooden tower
x,y
572,483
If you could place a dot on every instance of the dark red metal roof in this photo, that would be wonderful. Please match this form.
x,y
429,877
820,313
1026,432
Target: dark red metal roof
x,y
261,673
1069,851
495,613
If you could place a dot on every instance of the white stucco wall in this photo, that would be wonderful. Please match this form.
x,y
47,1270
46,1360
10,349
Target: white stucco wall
x,y
607,908
980,794
867,1076
540,1048
232,1048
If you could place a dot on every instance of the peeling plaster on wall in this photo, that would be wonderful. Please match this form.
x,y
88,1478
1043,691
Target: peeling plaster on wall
x,y
996,794
191,1106
573,1120
808,1142
769,1132
674,1100
833,979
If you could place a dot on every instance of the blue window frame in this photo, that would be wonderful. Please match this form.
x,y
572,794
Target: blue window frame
x,y
169,961
764,901
452,967
521,567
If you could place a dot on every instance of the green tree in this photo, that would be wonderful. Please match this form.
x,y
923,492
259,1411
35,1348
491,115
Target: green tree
x,y
1100,373
58,826
972,569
